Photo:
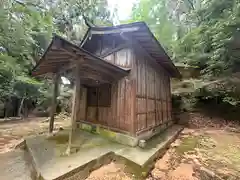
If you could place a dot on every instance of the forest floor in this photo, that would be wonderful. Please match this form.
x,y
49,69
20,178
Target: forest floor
x,y
206,148
204,151
12,132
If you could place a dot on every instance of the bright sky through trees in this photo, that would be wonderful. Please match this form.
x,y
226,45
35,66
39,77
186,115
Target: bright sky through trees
x,y
124,7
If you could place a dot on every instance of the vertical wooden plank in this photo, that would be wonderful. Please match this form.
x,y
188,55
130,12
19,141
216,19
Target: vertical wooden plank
x,y
155,97
86,108
158,101
113,122
138,76
134,89
121,105
125,104
56,78
170,101
83,104
97,108
75,106
133,92
146,92
161,97
118,103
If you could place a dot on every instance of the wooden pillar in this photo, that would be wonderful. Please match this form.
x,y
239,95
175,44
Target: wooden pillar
x,y
56,78
75,106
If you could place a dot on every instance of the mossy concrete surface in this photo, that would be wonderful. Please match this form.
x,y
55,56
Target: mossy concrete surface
x,y
114,136
143,158
90,152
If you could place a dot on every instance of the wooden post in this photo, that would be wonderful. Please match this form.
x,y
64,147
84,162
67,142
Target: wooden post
x,y
54,100
75,107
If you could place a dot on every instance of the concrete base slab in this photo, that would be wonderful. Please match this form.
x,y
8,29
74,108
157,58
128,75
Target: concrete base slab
x,y
14,166
107,133
92,151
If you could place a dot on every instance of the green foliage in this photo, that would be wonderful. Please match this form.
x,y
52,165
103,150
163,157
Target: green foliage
x,y
156,15
203,33
212,45
26,29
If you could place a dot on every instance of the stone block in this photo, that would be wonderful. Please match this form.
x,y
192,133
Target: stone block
x,y
127,140
106,133
86,127
114,136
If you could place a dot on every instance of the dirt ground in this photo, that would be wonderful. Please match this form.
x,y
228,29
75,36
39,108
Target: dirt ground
x,y
200,153
196,155
208,152
13,132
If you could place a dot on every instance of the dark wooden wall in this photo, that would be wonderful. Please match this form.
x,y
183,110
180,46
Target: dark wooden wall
x,y
139,102
153,96
120,114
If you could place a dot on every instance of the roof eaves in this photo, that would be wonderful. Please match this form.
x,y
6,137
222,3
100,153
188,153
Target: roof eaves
x,y
176,72
131,28
57,37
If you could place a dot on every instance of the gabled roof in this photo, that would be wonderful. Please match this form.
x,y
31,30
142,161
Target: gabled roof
x,y
139,32
62,55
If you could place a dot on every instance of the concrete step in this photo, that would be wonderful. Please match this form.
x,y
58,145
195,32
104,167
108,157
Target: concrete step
x,y
15,165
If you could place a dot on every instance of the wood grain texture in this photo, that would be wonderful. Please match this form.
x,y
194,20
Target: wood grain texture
x,y
121,112
153,94
140,101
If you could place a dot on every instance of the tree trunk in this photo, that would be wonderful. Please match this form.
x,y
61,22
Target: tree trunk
x,y
21,107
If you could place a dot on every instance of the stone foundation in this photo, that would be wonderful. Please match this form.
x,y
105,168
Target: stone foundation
x,y
114,136
124,138
49,165
154,131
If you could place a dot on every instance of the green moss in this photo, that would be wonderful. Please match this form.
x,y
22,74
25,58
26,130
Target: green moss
x,y
86,127
188,144
60,138
106,133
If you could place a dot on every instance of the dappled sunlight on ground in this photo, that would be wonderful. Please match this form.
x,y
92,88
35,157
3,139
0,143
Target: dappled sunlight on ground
x,y
195,155
198,153
109,172
12,133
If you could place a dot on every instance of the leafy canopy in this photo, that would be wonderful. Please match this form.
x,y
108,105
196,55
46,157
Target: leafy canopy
x,y
25,31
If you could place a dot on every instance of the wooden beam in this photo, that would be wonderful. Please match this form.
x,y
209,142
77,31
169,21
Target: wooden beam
x,y
95,77
65,46
46,70
54,100
114,31
75,107
60,54
60,60
99,75
122,46
104,70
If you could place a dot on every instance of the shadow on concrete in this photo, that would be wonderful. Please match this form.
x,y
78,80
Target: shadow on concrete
x,y
91,151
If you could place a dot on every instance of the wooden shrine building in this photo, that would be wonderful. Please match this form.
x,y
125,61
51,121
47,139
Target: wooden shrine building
x,y
122,79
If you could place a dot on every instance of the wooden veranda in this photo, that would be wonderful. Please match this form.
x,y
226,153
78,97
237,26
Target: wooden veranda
x,y
84,68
